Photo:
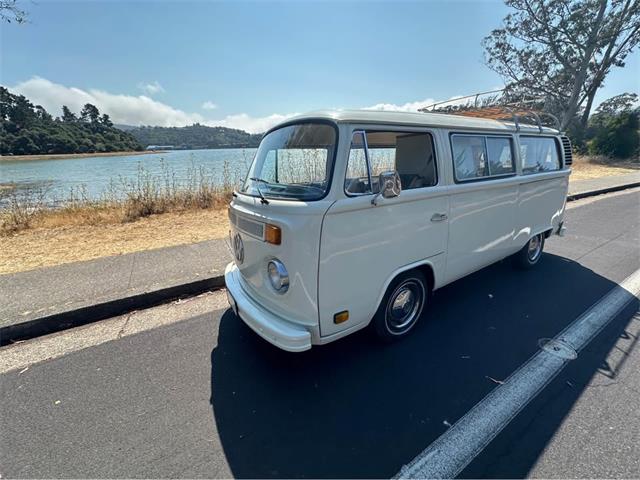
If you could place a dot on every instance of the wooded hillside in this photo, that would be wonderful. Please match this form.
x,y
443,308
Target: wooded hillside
x,y
27,129
195,136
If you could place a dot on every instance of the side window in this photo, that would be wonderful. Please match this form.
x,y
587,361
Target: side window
x,y
479,156
356,181
500,156
539,154
469,157
412,155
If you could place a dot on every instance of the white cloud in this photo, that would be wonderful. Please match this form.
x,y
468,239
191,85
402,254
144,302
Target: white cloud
x,y
209,105
405,107
127,109
130,109
411,106
151,88
250,124
143,110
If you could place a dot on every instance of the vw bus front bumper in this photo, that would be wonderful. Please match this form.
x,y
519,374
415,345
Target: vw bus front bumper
x,y
272,328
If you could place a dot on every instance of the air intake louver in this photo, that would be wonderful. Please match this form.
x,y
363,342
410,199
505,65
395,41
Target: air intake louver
x,y
568,154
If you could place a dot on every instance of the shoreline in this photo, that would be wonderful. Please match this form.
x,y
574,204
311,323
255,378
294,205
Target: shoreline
x,y
64,156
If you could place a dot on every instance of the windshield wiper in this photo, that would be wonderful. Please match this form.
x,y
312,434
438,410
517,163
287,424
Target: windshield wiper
x,y
263,200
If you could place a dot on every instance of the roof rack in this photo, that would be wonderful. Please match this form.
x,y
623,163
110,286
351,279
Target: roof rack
x,y
494,108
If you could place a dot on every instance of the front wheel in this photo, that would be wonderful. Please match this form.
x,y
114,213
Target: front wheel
x,y
530,254
401,306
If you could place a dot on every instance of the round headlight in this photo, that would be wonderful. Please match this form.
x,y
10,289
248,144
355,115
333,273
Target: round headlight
x,y
278,276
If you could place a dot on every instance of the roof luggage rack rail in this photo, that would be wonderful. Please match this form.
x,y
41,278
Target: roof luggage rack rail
x,y
494,108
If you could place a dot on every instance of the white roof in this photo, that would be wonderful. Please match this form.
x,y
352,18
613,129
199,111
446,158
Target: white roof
x,y
418,119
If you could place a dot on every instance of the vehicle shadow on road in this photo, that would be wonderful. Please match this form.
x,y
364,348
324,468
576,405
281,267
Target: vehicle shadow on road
x,y
357,408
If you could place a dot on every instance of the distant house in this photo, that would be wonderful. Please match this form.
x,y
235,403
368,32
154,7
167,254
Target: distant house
x,y
162,147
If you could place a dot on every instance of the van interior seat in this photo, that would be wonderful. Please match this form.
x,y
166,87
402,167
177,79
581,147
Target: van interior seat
x,y
415,161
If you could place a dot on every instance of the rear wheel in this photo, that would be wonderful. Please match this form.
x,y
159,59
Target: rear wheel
x,y
530,254
401,306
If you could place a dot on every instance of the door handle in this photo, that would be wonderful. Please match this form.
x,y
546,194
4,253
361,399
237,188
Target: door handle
x,y
438,217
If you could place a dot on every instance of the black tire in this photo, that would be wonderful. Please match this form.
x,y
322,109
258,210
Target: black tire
x,y
401,306
529,255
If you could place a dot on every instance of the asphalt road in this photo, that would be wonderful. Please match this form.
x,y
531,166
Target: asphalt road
x,y
205,397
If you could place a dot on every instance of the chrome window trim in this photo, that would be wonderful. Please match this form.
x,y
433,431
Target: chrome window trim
x,y
486,149
559,153
366,156
407,129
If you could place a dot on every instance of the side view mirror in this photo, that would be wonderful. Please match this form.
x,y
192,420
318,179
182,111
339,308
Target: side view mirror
x,y
390,186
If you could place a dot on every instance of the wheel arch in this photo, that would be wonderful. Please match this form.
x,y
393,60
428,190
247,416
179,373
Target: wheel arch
x,y
426,267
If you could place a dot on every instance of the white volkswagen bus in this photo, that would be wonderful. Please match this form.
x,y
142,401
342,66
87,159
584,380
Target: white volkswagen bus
x,y
354,218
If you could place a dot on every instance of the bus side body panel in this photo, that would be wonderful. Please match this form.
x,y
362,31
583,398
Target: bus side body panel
x,y
541,204
481,225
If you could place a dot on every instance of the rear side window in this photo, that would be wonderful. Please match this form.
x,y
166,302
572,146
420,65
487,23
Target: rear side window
x,y
410,154
539,154
480,156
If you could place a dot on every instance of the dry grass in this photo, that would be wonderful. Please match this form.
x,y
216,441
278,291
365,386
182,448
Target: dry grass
x,y
145,213
125,201
57,240
587,167
154,213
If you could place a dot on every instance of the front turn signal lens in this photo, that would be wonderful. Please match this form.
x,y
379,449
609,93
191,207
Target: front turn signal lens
x,y
341,317
272,234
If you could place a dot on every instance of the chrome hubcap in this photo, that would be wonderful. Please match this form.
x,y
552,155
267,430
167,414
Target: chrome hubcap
x,y
535,248
405,306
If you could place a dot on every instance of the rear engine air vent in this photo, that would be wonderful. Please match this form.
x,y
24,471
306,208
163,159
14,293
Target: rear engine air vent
x,y
568,154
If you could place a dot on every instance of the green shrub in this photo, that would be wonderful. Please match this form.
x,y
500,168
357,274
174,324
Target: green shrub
x,y
614,135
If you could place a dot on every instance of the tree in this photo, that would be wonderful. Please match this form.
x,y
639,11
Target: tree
x,y
21,111
6,99
10,12
618,104
613,129
562,50
68,116
24,145
43,114
27,129
106,121
90,113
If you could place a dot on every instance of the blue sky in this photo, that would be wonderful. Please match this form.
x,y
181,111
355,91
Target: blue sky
x,y
249,64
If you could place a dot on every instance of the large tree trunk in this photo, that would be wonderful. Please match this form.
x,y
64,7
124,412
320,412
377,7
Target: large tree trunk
x,y
587,109
581,71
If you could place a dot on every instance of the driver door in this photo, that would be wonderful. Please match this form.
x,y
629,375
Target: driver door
x,y
362,245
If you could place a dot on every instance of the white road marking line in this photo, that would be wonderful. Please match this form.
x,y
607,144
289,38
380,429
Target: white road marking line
x,y
458,446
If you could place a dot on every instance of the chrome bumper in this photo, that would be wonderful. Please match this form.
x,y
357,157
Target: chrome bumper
x,y
275,330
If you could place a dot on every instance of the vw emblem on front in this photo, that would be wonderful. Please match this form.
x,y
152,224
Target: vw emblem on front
x,y
238,248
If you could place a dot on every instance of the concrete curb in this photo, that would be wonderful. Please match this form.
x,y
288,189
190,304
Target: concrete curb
x,y
602,191
94,313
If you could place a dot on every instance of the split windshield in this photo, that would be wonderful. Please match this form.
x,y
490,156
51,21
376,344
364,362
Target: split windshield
x,y
293,162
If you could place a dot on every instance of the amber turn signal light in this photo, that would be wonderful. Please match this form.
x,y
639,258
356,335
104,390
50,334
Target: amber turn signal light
x,y
341,317
272,234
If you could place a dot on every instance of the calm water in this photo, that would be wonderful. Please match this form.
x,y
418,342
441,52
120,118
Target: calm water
x,y
97,175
